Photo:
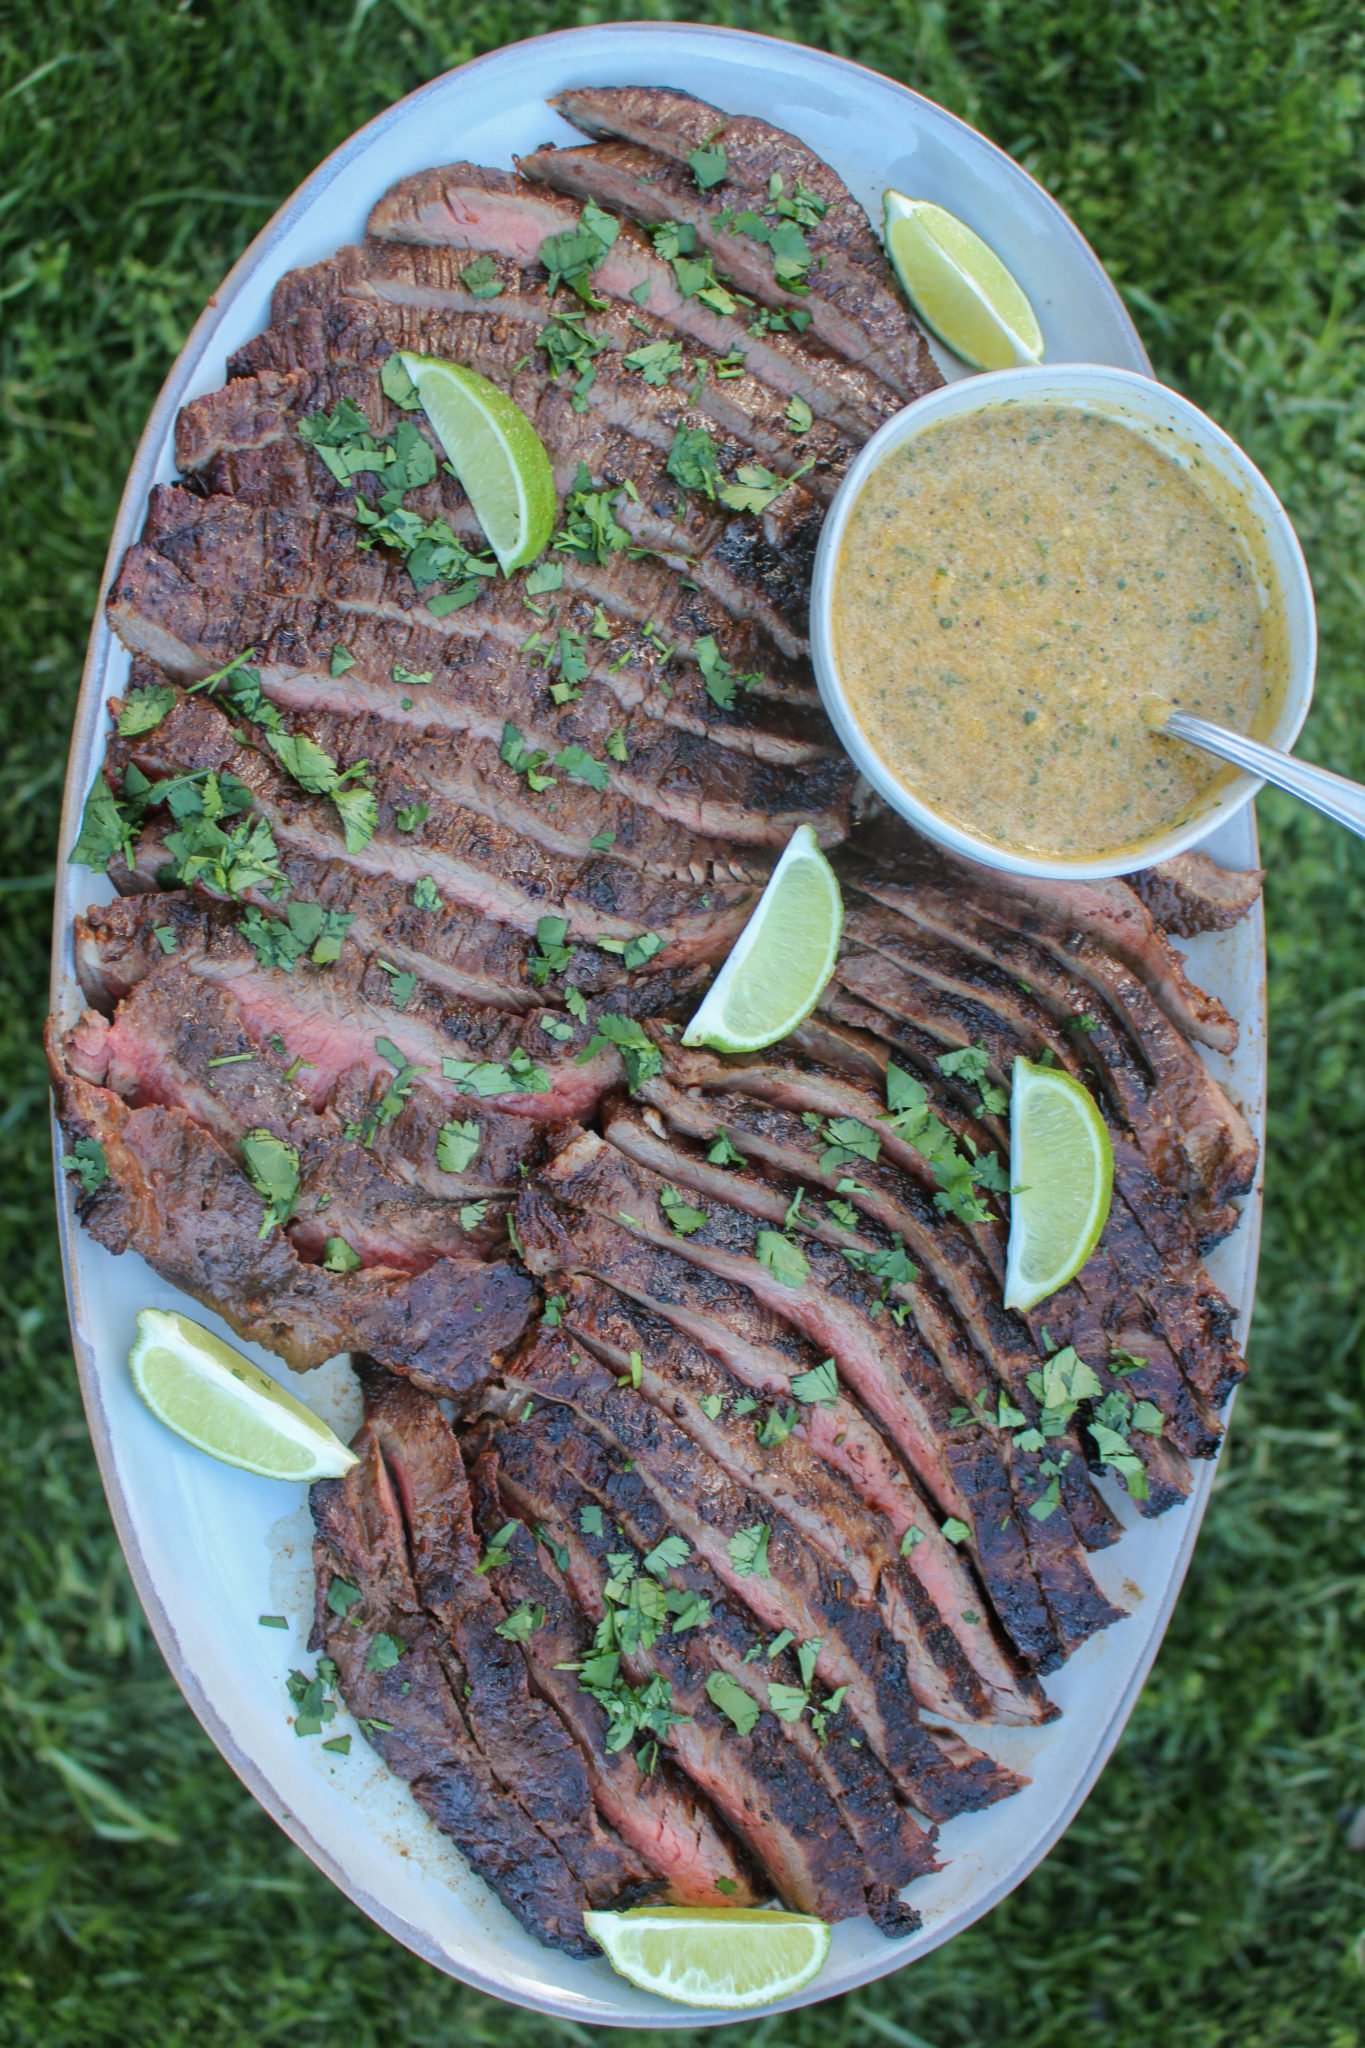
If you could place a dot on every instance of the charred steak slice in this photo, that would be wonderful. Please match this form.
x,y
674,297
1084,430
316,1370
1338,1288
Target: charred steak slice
x,y
413,1710
785,1815
795,1588
332,1021
473,850
675,124
420,297
1190,894
657,1813
464,207
173,1193
852,309
888,1370
230,577
178,1041
521,1738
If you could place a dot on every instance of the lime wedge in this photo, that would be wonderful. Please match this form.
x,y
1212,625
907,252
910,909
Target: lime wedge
x,y
1062,1169
779,964
223,1404
728,1959
496,453
960,286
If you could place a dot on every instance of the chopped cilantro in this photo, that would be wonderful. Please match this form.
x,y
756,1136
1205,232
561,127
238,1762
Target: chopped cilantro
x,y
385,1652
684,1218
521,1622
519,1076
497,1549
666,1556
457,1145
709,165
339,1257
722,1153
784,1260
692,460
657,361
748,1551
143,710
87,1161
723,683
818,1387
739,1707
641,1057
272,1167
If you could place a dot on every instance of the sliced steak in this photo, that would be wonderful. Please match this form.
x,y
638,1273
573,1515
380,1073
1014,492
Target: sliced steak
x,y
331,1021
760,1783
977,1380
888,1369
657,1812
226,577
464,207
173,1193
675,125
412,1712
771,1455
852,308
793,1588
422,293
521,1737
1190,894
179,1042
755,565
471,851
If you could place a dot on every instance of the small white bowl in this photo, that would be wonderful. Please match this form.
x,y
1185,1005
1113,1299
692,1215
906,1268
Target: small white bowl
x,y
1182,431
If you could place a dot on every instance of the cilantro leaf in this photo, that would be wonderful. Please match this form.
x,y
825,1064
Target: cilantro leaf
x,y
87,1161
272,1167
385,1651
521,1622
709,165
670,1552
143,710
739,1707
457,1144
722,1153
818,1387
723,683
339,1257
748,1549
684,1218
480,278
784,1260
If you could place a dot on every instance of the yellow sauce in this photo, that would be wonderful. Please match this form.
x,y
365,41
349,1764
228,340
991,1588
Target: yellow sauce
x,y
1015,587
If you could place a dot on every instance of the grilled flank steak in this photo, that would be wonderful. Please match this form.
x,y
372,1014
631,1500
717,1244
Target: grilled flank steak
x,y
711,1510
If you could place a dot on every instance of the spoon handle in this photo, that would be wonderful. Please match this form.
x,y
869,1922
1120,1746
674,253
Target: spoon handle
x,y
1334,795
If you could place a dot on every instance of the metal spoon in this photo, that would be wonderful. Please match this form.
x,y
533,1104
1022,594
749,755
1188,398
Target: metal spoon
x,y
1334,795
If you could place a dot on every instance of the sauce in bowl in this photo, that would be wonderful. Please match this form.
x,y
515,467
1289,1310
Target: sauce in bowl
x,y
1016,585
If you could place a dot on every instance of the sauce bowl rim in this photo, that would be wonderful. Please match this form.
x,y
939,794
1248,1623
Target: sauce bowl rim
x,y
1151,404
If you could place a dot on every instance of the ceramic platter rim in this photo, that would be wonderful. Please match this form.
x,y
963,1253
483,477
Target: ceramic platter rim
x,y
868,126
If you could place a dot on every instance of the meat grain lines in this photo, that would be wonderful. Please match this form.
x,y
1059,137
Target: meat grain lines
x,y
758,1509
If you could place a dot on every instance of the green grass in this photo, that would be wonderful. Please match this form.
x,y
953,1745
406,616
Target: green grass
x,y
1211,151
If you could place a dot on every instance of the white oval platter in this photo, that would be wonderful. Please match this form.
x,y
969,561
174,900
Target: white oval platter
x,y
212,1549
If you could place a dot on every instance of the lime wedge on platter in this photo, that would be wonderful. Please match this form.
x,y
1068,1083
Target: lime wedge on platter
x,y
216,1399
778,966
727,1959
1062,1169
958,284
495,452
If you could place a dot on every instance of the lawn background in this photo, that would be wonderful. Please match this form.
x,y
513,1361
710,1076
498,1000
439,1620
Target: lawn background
x,y
1211,150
